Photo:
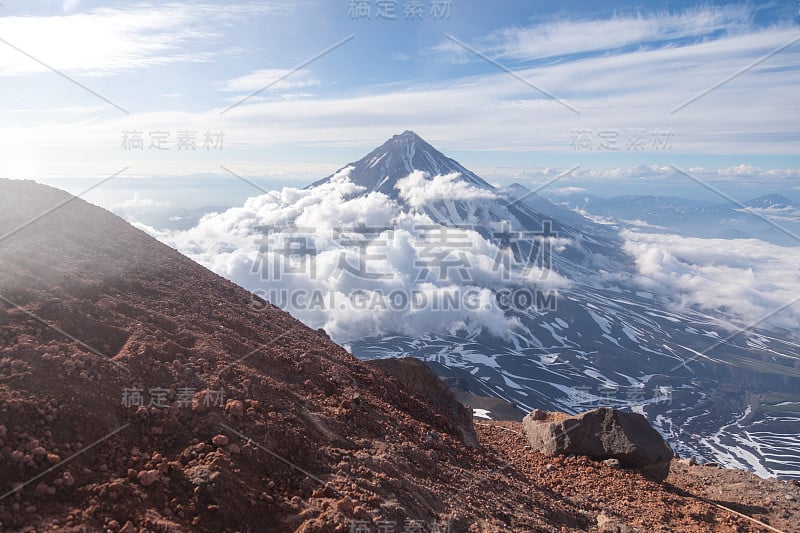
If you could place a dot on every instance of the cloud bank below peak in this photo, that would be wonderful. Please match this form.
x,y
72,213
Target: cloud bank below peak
x,y
252,245
743,279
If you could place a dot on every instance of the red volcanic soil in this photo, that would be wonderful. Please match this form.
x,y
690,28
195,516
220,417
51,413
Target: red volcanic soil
x,y
141,392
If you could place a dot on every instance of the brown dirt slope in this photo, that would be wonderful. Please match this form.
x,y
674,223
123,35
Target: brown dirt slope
x,y
250,421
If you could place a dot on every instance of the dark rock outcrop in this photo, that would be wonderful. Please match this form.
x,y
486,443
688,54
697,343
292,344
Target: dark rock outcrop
x,y
418,379
602,433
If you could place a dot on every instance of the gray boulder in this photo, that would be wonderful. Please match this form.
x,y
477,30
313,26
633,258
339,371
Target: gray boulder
x,y
602,433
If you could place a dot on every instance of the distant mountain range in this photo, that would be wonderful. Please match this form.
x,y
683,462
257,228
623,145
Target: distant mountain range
x,y
772,218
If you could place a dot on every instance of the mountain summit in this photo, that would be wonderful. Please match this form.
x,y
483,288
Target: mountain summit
x,y
774,201
398,157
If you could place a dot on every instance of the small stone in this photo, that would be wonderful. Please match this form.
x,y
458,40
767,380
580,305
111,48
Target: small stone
x,y
687,461
234,407
128,528
612,463
549,467
68,479
203,401
345,505
39,451
603,520
538,414
430,437
219,440
606,524
233,449
147,477
53,458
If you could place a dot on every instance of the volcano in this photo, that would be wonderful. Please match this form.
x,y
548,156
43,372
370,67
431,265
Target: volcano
x,y
381,169
508,295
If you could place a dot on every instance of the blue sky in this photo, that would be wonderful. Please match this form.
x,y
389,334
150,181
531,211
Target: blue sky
x,y
516,90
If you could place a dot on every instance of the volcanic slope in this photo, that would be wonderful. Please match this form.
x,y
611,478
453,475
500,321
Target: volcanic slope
x,y
141,392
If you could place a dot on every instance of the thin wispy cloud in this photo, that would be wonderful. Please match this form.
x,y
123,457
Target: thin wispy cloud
x,y
568,190
623,72
260,78
565,37
105,41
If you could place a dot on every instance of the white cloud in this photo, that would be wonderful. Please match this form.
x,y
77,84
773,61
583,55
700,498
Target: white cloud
x,y
292,245
563,191
262,78
564,37
104,41
641,224
653,173
141,203
352,306
419,188
620,93
745,279
139,206
491,112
